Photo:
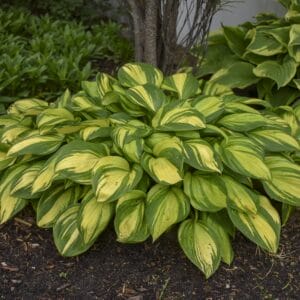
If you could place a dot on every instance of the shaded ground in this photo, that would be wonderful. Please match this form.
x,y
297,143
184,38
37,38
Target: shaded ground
x,y
31,268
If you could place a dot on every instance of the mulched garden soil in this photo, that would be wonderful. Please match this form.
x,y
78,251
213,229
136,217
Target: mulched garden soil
x,y
30,268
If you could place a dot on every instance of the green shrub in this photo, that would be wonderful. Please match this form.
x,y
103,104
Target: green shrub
x,y
150,152
264,53
87,11
42,57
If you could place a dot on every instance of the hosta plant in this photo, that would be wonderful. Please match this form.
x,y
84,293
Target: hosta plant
x,y
149,152
263,54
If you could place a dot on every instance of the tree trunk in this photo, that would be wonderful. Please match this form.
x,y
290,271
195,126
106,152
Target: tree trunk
x,y
151,34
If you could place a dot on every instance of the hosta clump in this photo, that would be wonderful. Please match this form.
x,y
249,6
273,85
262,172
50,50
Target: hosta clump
x,y
264,53
150,152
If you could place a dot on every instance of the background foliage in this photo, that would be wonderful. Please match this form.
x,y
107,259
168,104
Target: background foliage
x,y
41,57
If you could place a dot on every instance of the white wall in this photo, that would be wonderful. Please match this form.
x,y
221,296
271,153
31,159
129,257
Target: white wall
x,y
245,10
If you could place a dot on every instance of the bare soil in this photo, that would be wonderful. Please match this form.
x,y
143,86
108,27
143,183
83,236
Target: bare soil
x,y
30,268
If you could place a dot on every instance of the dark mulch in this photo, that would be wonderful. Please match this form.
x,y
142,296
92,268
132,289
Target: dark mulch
x,y
31,268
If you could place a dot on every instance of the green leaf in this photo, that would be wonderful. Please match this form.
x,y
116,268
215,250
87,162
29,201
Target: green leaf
x,y
284,185
274,140
130,223
281,73
245,157
235,37
177,119
112,177
36,144
55,201
77,159
210,107
240,197
67,237
200,245
134,74
200,155
165,206
9,204
161,169
242,122
206,192
263,227
93,217
147,96
265,44
238,75
184,84
294,44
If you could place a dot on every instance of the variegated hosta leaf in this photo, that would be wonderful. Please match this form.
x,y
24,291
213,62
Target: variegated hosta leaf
x,y
129,138
212,221
178,118
50,118
93,217
165,206
262,227
67,237
23,184
206,192
147,96
274,140
239,196
294,42
235,38
242,122
36,144
10,120
161,169
184,84
238,75
104,84
100,129
215,89
286,211
281,73
77,159
53,202
139,73
130,223
200,245
265,44
64,100
245,157
9,204
46,175
11,133
112,177
284,184
28,107
171,149
238,108
210,107
5,161
200,155
91,89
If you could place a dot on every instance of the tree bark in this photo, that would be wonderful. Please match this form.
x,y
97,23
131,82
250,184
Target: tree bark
x,y
151,15
138,28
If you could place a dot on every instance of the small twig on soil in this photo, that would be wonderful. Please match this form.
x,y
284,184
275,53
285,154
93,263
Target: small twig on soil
x,y
62,287
268,273
164,289
6,267
18,220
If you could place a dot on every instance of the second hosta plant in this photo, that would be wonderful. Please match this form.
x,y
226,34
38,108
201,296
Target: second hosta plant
x,y
147,152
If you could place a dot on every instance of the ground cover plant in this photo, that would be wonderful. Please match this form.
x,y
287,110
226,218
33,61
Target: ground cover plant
x,y
41,57
260,57
147,152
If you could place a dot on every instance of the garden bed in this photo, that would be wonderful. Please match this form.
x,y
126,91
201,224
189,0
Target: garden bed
x,y
30,266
